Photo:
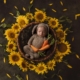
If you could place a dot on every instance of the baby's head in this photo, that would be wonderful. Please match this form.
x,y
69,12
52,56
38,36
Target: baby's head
x,y
42,29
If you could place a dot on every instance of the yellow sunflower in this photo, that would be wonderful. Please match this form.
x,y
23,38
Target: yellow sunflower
x,y
15,58
61,34
51,64
40,16
53,22
63,48
22,21
24,65
11,46
16,27
32,67
41,68
29,16
60,26
58,57
10,34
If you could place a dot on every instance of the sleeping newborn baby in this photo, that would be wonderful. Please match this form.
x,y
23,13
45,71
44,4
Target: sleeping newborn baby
x,y
37,42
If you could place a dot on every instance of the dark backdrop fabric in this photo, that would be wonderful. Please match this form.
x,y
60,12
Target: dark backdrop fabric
x,y
73,8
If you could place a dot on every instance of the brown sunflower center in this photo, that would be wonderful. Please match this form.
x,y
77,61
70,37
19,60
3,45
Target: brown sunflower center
x,y
11,35
53,22
41,68
60,34
57,57
40,16
31,66
24,65
16,27
51,64
22,22
15,58
59,25
62,47
10,46
29,16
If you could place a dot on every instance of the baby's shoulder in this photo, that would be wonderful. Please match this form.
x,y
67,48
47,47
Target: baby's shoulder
x,y
34,35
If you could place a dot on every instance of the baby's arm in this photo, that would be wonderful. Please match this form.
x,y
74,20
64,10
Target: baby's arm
x,y
30,43
30,40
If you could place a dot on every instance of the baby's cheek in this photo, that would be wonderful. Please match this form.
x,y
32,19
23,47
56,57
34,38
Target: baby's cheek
x,y
44,34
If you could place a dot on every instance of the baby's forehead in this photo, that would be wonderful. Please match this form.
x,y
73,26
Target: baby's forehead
x,y
42,26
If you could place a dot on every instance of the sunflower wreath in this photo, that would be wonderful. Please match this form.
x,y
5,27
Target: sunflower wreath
x,y
63,46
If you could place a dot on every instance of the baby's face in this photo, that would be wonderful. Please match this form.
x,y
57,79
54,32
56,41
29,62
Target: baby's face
x,y
41,31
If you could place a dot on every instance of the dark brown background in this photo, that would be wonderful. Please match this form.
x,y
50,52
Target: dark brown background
x,y
73,7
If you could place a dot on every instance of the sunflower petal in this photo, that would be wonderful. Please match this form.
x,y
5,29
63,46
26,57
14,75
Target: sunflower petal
x,y
37,9
4,60
15,7
72,38
24,9
31,1
77,56
61,3
4,1
65,9
60,77
69,66
50,4
76,16
3,20
27,77
53,10
8,75
11,14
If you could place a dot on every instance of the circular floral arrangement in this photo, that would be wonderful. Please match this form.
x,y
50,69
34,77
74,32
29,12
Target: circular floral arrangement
x,y
63,46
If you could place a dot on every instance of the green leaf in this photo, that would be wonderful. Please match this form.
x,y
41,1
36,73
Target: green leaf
x,y
1,45
45,76
53,75
30,7
18,13
44,9
49,36
41,53
52,41
68,20
3,25
61,20
61,17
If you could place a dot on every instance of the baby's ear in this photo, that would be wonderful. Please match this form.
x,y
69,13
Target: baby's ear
x,y
34,29
47,28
